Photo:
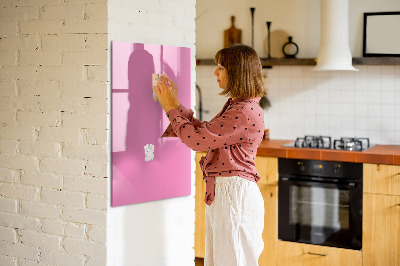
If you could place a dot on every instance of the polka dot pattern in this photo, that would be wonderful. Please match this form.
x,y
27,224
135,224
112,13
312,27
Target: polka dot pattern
x,y
231,139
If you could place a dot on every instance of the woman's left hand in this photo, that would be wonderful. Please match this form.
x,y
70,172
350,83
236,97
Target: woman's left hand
x,y
164,95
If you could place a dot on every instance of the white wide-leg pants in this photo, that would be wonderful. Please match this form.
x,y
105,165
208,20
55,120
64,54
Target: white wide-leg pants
x,y
234,223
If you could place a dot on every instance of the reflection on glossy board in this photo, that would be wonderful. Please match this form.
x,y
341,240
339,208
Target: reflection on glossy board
x,y
146,167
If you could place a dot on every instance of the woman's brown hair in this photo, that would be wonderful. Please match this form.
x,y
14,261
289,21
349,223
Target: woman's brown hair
x,y
245,78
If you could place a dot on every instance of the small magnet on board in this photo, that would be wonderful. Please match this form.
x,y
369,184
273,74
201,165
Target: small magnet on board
x,y
148,152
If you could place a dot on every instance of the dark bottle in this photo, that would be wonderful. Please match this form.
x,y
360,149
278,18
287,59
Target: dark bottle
x,y
290,49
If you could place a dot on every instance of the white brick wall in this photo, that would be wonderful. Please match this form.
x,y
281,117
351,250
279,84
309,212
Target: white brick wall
x,y
53,122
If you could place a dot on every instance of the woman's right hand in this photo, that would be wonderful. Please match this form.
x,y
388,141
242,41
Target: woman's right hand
x,y
174,89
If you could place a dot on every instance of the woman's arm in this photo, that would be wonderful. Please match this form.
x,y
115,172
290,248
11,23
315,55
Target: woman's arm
x,y
228,129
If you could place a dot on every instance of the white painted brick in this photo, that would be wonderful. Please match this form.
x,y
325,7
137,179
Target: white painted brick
x,y
53,227
39,87
97,234
87,88
61,259
75,230
8,234
85,121
6,102
84,216
41,148
172,7
19,13
8,205
67,135
19,221
8,58
85,152
7,88
8,261
7,117
88,57
25,262
18,72
94,201
85,26
39,118
7,175
17,132
62,12
86,184
97,260
93,1
17,191
96,168
24,103
98,73
63,197
41,179
40,58
40,27
62,166
18,250
95,105
35,239
63,104
60,73
18,161
64,42
31,2
38,209
97,11
97,42
8,146
96,137
19,43
84,247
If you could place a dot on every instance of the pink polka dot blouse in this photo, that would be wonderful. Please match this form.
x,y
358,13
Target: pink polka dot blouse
x,y
231,139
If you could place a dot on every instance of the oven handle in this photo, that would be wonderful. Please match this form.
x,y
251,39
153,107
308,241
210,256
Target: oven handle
x,y
297,181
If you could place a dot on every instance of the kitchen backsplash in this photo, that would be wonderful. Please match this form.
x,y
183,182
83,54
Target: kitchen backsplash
x,y
337,104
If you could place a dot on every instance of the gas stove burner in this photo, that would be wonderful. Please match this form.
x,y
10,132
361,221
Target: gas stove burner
x,y
351,144
322,142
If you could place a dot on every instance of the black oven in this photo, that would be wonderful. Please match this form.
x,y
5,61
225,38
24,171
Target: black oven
x,y
320,202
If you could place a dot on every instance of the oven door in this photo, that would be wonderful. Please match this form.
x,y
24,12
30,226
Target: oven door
x,y
321,212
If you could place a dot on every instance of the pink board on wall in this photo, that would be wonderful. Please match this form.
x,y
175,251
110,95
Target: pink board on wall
x,y
137,121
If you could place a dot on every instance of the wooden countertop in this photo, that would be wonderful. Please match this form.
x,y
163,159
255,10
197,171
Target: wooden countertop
x,y
379,154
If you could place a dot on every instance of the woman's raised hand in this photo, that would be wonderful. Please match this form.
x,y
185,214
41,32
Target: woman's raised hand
x,y
174,89
164,95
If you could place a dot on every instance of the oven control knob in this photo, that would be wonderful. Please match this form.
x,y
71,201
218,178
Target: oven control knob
x,y
336,169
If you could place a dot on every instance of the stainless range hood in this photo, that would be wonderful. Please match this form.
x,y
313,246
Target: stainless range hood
x,y
334,51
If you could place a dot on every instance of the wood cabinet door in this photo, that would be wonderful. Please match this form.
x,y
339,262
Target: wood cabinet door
x,y
200,207
381,230
267,168
270,233
381,179
298,254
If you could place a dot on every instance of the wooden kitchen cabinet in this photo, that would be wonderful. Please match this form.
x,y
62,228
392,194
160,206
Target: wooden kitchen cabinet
x,y
270,233
381,215
298,254
381,179
267,167
200,207
381,230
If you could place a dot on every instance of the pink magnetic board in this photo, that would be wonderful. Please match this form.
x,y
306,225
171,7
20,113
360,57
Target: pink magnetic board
x,y
137,121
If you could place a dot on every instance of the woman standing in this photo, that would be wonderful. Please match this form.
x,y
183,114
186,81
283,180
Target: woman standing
x,y
235,207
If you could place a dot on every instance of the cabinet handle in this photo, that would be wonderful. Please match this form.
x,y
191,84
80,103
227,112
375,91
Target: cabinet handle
x,y
398,204
318,254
